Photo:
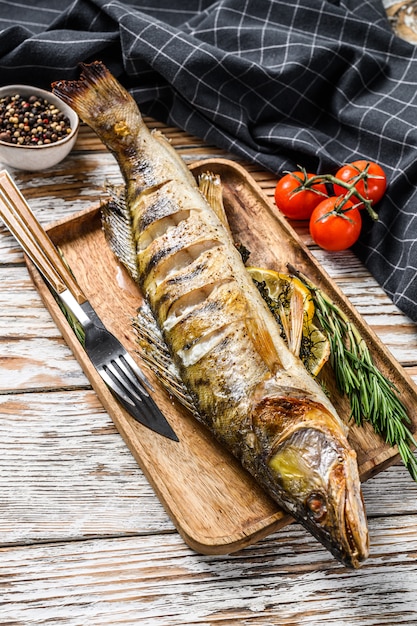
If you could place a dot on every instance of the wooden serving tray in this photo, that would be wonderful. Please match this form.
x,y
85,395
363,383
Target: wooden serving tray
x,y
216,506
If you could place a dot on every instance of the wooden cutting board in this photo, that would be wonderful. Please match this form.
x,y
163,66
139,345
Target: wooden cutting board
x,y
216,506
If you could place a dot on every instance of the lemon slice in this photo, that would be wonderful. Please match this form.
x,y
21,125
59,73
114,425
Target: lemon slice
x,y
315,349
292,305
280,288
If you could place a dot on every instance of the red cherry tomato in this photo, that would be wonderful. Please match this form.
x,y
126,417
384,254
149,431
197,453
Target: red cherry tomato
x,y
293,200
372,187
335,224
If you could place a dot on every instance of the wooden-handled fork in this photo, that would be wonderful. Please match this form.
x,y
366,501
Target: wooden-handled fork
x,y
112,361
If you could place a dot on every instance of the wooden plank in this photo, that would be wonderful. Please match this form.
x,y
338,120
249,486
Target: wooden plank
x,y
87,140
71,186
284,580
46,380
67,234
216,506
391,492
366,295
79,479
67,474
33,423
39,363
24,314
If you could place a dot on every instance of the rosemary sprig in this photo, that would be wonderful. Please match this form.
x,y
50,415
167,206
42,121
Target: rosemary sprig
x,y
72,321
372,396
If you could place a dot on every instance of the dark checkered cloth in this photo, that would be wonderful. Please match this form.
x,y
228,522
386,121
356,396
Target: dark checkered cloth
x,y
279,83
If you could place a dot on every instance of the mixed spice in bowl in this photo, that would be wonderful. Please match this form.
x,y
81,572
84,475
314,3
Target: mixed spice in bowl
x,y
37,129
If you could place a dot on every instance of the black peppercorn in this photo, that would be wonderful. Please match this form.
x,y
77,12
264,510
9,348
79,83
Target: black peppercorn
x,y
31,121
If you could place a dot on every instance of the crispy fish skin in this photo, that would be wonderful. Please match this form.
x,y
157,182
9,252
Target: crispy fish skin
x,y
249,389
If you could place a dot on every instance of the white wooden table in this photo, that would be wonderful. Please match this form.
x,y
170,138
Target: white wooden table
x,y
83,538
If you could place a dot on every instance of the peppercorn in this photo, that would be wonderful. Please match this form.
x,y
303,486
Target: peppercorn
x,y
31,121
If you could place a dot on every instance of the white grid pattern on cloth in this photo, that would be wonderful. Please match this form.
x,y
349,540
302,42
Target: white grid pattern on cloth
x,y
278,82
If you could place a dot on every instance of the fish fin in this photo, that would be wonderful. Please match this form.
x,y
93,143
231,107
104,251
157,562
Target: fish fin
x,y
117,227
165,142
211,187
297,322
263,343
118,231
154,352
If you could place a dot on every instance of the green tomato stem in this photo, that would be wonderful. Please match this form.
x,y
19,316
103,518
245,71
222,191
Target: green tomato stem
x,y
308,184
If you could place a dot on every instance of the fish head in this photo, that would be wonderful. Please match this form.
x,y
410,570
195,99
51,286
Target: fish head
x,y
319,485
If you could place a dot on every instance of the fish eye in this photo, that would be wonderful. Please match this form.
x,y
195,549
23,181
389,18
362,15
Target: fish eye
x,y
316,503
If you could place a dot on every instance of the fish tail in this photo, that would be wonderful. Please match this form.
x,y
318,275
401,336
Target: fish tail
x,y
102,103
146,158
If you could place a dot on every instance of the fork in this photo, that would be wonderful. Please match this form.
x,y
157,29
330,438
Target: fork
x,y
114,364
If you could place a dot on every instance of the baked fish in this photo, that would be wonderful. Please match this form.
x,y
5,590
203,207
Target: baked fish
x,y
248,388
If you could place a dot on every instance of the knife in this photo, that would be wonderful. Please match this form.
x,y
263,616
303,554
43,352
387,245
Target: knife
x,y
111,360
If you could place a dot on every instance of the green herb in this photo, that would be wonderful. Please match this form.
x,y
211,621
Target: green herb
x,y
352,193
372,396
72,321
